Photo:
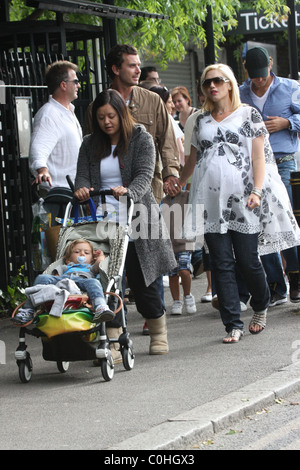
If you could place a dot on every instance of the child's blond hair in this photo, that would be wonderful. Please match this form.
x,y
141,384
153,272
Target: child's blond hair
x,y
71,245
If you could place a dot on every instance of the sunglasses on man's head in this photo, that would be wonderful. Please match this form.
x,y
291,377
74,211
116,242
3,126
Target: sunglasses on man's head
x,y
217,81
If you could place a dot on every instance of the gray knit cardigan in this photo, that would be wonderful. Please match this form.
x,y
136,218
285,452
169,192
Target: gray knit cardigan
x,y
153,247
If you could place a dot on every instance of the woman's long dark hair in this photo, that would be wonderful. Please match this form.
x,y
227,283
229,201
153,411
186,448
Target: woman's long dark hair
x,y
101,145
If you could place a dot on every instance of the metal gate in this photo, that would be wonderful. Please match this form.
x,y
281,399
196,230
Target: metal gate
x,y
23,59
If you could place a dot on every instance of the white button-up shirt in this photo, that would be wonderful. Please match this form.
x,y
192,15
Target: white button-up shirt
x,y
55,142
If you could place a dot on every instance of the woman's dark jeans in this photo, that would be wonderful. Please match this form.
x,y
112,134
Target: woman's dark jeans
x,y
147,299
226,249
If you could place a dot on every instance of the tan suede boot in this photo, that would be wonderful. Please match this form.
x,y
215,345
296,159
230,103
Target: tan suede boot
x,y
113,333
158,335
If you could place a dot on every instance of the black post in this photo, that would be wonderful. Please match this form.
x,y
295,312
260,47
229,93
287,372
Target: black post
x,y
293,42
27,204
62,32
209,51
109,27
4,272
4,11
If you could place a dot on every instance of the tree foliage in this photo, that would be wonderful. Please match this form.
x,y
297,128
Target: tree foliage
x,y
166,40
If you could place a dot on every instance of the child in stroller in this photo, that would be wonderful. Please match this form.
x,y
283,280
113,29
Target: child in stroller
x,y
81,266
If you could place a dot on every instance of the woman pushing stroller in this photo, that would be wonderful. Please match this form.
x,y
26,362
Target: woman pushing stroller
x,y
120,155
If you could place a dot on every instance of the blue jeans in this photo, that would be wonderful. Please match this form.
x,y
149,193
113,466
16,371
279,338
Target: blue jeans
x,y
274,270
160,287
291,254
226,250
272,263
91,286
285,169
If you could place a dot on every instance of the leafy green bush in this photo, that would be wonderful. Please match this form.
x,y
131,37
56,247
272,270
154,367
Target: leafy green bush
x,y
14,294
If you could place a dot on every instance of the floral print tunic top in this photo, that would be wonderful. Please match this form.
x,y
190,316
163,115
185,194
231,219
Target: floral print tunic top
x,y
223,180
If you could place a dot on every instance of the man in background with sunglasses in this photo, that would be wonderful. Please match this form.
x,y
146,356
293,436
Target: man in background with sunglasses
x,y
57,134
278,101
150,74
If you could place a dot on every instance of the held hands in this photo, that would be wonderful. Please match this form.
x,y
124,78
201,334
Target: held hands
x,y
252,203
172,186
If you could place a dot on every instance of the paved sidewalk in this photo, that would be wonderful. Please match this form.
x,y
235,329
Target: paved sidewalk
x,y
203,421
165,401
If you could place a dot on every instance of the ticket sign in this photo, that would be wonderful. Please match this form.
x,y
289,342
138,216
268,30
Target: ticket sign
x,y
251,22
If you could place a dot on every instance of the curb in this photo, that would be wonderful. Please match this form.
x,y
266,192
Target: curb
x,y
205,420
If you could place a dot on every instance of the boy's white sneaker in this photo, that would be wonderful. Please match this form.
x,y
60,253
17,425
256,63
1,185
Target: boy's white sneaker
x,y
189,303
103,314
176,308
24,315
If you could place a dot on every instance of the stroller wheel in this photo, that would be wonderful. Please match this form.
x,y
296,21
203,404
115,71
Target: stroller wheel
x,y
128,358
25,369
62,366
107,369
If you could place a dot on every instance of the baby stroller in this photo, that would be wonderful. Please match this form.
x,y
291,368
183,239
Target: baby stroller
x,y
73,336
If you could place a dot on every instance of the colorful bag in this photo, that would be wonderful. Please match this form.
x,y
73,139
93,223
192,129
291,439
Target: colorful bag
x,y
70,321
76,317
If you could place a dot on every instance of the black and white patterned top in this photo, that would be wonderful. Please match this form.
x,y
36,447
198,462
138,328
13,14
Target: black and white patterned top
x,y
223,180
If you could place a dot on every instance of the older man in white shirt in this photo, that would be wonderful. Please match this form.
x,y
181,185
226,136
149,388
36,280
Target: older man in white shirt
x,y
57,134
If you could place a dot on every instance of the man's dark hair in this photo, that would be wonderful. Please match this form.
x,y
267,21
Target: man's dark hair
x,y
115,57
162,91
145,71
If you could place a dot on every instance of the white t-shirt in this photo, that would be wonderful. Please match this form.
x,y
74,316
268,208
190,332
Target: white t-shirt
x,y
110,178
259,101
55,142
178,132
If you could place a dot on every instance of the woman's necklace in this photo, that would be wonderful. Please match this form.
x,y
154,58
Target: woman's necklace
x,y
220,113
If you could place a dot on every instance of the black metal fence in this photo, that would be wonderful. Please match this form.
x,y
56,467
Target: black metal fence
x,y
22,66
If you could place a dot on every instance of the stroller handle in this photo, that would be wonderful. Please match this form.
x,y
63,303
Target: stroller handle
x,y
103,193
107,192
